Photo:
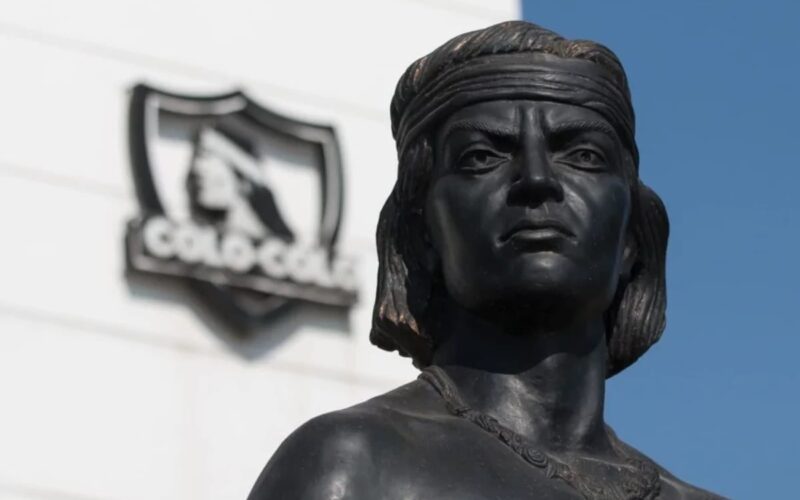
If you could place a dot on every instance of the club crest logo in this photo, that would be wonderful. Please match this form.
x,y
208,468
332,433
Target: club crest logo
x,y
242,202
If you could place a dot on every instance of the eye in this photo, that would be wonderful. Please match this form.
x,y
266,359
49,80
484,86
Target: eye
x,y
479,160
586,158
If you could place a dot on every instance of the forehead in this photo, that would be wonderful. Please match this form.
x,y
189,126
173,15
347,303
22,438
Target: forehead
x,y
508,114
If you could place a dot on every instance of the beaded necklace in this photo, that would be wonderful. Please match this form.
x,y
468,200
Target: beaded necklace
x,y
639,481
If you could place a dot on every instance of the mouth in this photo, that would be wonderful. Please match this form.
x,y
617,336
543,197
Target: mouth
x,y
533,233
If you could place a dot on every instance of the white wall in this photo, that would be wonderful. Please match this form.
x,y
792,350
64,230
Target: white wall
x,y
112,388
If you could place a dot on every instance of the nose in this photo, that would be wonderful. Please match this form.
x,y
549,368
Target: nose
x,y
534,180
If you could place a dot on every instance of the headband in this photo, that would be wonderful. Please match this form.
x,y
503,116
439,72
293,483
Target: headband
x,y
533,76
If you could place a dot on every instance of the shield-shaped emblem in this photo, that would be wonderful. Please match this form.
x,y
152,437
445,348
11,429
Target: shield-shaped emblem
x,y
243,202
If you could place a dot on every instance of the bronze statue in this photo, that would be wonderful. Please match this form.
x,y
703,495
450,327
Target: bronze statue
x,y
521,264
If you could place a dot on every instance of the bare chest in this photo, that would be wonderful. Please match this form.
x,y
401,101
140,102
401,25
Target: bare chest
x,y
466,466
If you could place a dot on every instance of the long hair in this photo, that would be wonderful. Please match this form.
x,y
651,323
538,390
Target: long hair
x,y
636,317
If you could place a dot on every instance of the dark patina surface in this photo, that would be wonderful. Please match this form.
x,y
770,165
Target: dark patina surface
x,y
521,265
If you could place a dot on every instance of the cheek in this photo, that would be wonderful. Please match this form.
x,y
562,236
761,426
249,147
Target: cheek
x,y
604,210
459,215
617,198
602,205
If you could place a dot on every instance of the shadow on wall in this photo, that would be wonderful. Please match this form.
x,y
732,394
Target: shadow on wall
x,y
249,340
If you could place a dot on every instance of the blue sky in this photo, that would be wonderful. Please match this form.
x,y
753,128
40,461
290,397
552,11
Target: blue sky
x,y
716,87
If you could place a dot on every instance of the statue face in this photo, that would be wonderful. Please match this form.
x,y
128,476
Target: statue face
x,y
528,209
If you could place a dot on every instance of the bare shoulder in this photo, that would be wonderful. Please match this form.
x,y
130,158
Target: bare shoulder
x,y
673,487
685,490
344,453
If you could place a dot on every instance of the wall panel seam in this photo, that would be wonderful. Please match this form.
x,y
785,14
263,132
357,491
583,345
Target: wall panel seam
x,y
91,326
111,191
465,8
77,183
122,55
31,491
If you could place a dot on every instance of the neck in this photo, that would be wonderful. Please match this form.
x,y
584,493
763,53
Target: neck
x,y
547,385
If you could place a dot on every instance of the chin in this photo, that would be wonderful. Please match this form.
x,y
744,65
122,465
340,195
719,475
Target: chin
x,y
542,291
541,271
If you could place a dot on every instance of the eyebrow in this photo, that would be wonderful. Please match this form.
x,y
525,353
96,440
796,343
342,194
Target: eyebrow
x,y
488,128
511,133
584,126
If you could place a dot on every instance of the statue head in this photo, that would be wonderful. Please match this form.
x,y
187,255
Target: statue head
x,y
518,194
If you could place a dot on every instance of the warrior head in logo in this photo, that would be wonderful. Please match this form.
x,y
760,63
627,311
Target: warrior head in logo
x,y
227,189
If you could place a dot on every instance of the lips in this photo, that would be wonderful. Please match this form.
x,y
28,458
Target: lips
x,y
537,231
